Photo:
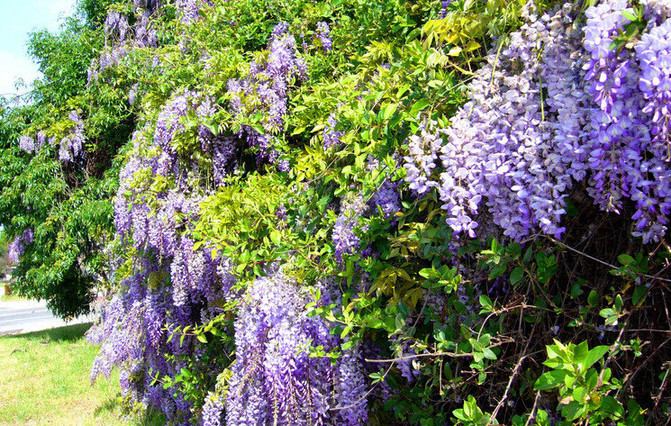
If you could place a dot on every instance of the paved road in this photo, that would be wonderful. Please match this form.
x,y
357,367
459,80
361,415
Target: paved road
x,y
27,316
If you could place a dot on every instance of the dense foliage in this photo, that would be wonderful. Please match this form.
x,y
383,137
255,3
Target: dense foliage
x,y
356,211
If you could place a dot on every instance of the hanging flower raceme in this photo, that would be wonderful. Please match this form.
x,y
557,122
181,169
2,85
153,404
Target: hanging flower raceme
x,y
72,145
652,192
265,91
190,9
345,238
275,380
499,151
26,143
538,120
17,246
323,35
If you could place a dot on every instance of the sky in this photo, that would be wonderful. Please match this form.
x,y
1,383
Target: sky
x,y
17,19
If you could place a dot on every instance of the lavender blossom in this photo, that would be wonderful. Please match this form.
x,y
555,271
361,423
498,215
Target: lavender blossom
x,y
331,135
274,378
116,25
323,34
71,146
345,240
190,9
423,152
27,144
17,246
41,139
212,410
387,199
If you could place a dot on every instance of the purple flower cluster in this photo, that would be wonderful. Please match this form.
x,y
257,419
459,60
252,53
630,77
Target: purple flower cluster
x,y
499,151
175,285
224,151
120,38
344,237
136,323
190,9
169,125
538,120
656,11
423,150
612,86
145,34
443,8
275,380
26,143
652,192
41,139
72,145
387,199
323,34
148,5
17,246
213,410
108,58
131,331
351,389
116,26
331,135
265,91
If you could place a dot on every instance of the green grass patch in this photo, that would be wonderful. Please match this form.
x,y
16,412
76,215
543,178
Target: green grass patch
x,y
45,379
12,298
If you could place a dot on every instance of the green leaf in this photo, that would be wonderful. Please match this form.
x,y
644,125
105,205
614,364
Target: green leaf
x,y
593,298
634,413
618,303
572,411
579,394
639,293
626,260
429,273
486,302
516,275
614,409
576,290
594,355
276,237
550,380
542,418
497,271
418,106
388,111
489,354
580,353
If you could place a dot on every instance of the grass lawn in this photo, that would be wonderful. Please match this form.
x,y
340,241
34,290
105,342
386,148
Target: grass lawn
x,y
12,298
44,378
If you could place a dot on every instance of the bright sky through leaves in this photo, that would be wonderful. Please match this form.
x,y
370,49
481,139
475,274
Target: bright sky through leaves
x,y
17,19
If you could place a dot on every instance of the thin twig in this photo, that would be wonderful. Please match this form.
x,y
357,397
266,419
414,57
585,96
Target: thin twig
x,y
516,370
433,354
630,376
610,265
533,409
364,396
661,391
643,330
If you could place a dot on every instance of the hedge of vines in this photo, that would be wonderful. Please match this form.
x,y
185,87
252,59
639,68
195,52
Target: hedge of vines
x,y
362,211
